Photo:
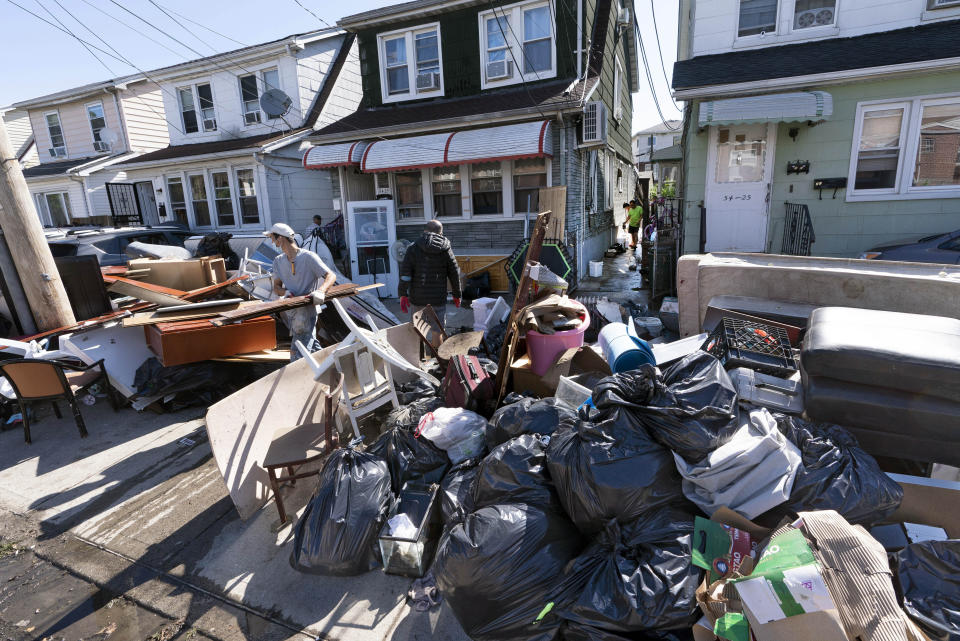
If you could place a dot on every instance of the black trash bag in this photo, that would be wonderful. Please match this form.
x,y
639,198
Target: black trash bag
x,y
337,533
836,475
516,472
476,286
456,490
529,416
218,244
611,469
493,339
636,576
416,390
407,417
573,631
499,568
929,585
692,410
410,458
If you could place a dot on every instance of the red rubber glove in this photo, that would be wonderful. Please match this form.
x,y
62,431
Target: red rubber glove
x,y
404,304
456,301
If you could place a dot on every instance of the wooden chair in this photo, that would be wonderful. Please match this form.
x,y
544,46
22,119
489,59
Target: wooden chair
x,y
39,380
428,326
293,447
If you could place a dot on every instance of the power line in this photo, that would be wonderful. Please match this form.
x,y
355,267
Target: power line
x,y
182,26
67,29
203,26
663,65
135,30
650,83
512,56
322,21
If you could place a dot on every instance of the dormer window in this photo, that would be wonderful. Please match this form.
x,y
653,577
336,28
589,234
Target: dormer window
x,y
411,63
518,44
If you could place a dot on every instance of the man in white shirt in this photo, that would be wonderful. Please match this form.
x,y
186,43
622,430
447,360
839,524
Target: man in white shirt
x,y
298,272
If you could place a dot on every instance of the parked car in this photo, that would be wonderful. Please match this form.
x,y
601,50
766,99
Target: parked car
x,y
941,248
108,245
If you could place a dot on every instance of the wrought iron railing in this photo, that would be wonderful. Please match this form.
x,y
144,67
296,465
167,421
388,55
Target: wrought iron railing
x,y
666,214
798,236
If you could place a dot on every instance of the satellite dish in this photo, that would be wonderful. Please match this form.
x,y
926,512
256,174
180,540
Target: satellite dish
x,y
399,249
109,136
275,103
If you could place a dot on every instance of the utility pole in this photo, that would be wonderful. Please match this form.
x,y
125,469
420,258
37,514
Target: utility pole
x,y
28,246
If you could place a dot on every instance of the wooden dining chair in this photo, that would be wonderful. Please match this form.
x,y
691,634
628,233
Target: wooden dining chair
x,y
39,380
293,447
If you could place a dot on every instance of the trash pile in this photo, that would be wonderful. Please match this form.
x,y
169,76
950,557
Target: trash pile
x,y
661,505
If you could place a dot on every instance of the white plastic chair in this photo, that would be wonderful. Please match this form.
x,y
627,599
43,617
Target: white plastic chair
x,y
368,382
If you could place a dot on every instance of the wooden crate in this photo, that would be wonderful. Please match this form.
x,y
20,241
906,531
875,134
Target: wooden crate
x,y
498,276
200,340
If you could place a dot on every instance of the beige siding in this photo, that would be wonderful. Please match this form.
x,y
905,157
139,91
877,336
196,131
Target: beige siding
x,y
143,114
78,208
76,127
17,123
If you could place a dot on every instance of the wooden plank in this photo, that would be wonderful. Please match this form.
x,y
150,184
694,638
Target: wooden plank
x,y
512,336
554,200
145,291
153,318
216,288
266,356
284,304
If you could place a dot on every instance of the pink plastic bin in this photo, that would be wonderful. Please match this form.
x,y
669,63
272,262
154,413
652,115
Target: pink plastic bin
x,y
544,349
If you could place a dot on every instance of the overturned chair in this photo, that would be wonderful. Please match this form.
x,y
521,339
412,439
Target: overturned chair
x,y
35,380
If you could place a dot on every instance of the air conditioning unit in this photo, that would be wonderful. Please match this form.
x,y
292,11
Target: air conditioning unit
x,y
623,18
594,123
250,118
428,81
209,124
499,70
57,152
382,184
100,145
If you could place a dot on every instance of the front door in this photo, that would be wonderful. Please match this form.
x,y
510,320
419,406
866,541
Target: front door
x,y
739,175
371,235
148,203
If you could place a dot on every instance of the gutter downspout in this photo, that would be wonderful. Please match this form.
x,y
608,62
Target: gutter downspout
x,y
580,45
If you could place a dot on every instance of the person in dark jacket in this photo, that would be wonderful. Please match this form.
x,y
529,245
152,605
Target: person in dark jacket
x,y
427,266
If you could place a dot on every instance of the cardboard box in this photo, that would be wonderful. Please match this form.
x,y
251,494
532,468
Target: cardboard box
x,y
184,275
575,360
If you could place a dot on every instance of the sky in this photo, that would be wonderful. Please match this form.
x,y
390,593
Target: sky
x,y
43,59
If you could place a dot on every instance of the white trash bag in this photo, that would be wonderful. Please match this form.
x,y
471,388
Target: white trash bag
x,y
459,432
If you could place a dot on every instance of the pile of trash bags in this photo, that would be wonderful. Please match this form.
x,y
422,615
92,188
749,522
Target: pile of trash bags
x,y
561,523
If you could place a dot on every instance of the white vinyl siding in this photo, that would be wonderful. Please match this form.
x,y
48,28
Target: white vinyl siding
x,y
411,63
144,117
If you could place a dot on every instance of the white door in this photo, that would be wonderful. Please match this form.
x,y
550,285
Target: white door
x,y
739,174
371,233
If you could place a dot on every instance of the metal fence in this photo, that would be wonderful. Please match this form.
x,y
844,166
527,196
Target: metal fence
x,y
667,216
798,236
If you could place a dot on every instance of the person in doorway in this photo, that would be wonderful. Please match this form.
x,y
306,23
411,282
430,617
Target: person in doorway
x,y
298,272
427,266
634,221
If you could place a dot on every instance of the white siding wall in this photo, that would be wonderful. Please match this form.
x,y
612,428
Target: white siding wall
x,y
76,127
715,22
226,97
17,123
347,91
313,64
142,107
78,208
297,194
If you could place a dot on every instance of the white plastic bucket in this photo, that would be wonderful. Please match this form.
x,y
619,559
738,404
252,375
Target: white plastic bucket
x,y
596,268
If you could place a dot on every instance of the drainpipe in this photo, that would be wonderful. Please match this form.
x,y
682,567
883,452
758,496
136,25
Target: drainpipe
x,y
580,73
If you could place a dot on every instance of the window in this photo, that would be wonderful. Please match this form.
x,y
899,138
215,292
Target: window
x,y
517,43
906,149
411,63
757,17
222,200
878,152
608,181
486,183
742,158
58,207
271,80
528,177
178,204
198,198
250,92
97,124
409,194
58,147
619,178
617,91
247,196
188,108
940,4
814,13
446,191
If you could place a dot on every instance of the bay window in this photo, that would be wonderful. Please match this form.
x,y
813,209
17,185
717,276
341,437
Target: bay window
x,y
409,194
518,43
906,149
446,191
529,175
411,63
486,184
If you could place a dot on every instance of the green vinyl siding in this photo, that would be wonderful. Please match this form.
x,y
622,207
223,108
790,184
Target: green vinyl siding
x,y
843,229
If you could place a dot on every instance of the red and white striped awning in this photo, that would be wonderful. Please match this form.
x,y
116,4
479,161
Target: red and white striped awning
x,y
326,156
506,142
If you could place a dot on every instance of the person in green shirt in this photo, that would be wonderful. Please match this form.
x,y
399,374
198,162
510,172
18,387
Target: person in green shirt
x,y
633,221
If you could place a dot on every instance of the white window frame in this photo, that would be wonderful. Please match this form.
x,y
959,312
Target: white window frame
x,y
409,40
235,193
207,173
617,91
261,83
515,43
201,128
64,202
933,5
909,146
93,132
66,152
783,27
187,204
